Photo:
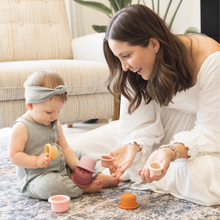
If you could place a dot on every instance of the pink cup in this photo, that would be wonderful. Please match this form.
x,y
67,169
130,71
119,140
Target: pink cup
x,y
155,168
59,203
81,177
106,160
87,164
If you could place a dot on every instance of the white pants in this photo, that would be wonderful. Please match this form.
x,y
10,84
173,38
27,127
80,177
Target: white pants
x,y
195,180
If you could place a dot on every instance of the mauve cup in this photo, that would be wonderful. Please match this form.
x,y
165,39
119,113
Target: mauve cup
x,y
82,178
128,201
59,203
106,160
87,163
52,150
155,168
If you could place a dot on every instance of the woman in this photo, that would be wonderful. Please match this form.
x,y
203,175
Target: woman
x,y
170,107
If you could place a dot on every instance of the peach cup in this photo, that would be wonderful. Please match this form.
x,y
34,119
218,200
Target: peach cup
x,y
59,203
155,168
52,150
106,160
128,201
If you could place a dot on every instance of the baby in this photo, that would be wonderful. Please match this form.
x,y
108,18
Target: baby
x,y
39,176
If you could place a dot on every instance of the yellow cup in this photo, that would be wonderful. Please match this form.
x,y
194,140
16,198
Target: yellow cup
x,y
52,150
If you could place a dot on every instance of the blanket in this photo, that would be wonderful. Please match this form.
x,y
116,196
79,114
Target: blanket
x,y
103,205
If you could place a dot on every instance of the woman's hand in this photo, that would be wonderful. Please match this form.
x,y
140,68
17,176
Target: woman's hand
x,y
163,156
43,160
124,156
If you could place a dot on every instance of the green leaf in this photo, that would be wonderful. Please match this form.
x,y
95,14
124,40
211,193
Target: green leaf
x,y
144,2
124,3
192,30
97,6
158,7
118,5
99,29
152,1
114,5
168,7
174,15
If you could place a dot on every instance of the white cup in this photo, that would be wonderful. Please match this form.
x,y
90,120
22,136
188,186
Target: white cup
x,y
155,168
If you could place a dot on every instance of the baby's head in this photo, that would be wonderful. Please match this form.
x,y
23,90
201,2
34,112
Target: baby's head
x,y
45,94
46,79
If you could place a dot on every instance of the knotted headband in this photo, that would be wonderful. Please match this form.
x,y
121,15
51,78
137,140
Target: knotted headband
x,y
38,94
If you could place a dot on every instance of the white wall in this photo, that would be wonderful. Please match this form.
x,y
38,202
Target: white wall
x,y
188,15
91,16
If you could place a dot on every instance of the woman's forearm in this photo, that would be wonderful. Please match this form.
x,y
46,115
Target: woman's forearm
x,y
181,150
137,147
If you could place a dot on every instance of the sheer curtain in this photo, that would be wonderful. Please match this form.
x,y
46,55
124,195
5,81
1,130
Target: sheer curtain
x,y
75,17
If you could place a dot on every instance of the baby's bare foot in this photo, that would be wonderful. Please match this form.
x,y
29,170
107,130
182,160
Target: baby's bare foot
x,y
108,181
95,187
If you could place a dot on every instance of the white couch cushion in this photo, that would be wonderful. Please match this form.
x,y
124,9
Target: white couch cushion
x,y
81,77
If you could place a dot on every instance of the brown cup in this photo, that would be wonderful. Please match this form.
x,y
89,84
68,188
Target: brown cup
x,y
106,160
81,177
52,150
128,201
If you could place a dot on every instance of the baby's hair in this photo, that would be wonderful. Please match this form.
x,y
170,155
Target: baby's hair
x,y
48,79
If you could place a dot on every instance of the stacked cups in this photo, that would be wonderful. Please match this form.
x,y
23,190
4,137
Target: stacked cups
x,y
82,176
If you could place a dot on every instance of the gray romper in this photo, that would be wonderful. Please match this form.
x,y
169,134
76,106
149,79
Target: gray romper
x,y
42,183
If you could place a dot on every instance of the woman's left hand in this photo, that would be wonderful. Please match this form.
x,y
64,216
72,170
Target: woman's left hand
x,y
163,156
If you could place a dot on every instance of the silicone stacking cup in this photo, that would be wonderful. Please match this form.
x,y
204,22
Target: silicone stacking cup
x,y
87,163
155,168
52,150
81,177
59,203
106,160
128,201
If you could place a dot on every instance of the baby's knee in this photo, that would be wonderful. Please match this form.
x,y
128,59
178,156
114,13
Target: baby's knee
x,y
79,153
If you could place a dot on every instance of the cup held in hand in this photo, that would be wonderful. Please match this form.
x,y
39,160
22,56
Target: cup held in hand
x,y
106,160
52,150
155,168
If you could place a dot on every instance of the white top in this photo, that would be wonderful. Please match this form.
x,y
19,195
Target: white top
x,y
201,103
145,127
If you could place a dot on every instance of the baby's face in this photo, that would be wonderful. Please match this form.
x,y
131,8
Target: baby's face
x,y
47,112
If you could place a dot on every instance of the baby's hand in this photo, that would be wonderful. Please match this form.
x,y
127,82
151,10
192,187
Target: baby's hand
x,y
43,160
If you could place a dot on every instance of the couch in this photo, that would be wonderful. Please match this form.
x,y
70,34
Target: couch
x,y
34,36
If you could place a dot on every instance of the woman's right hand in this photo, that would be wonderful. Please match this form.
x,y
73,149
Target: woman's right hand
x,y
124,156
43,160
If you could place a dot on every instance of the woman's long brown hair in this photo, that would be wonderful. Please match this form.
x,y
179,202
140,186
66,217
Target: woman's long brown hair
x,y
136,24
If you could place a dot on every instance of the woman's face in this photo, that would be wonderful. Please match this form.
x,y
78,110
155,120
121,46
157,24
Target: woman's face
x,y
140,60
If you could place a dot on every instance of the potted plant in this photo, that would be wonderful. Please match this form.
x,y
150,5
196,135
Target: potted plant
x,y
116,5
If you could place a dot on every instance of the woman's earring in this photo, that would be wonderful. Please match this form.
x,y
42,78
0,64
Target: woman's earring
x,y
155,51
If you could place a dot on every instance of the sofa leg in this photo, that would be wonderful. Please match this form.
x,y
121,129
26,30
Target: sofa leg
x,y
116,109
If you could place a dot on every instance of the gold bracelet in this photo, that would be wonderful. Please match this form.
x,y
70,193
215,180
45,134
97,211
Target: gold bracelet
x,y
171,146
